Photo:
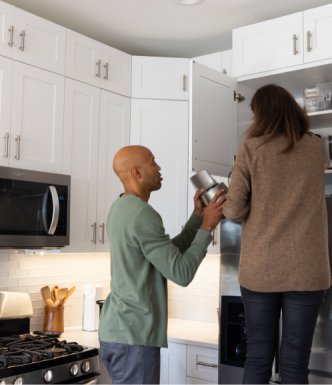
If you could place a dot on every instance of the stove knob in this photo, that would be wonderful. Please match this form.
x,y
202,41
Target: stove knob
x,y
85,366
18,381
74,370
48,376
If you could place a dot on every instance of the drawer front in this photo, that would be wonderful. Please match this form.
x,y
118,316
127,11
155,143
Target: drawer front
x,y
202,363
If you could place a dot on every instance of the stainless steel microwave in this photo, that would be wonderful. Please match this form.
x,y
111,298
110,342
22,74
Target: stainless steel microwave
x,y
34,209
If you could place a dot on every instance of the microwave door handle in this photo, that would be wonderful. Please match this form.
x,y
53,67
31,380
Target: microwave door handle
x,y
56,210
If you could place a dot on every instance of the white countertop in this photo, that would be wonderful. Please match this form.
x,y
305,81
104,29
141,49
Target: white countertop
x,y
180,331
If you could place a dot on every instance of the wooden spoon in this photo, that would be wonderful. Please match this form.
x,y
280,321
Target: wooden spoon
x,y
61,294
49,302
46,293
69,293
54,292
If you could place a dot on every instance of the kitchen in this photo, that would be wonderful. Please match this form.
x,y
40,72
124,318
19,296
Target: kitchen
x,y
85,261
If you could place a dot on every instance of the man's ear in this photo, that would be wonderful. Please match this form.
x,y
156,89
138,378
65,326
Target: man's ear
x,y
136,172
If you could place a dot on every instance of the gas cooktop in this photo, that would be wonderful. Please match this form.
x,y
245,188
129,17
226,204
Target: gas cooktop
x,y
39,358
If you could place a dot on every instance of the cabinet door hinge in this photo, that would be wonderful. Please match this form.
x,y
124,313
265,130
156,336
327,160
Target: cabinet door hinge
x,y
238,97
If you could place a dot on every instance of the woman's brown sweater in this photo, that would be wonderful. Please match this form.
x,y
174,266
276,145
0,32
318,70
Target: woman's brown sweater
x,y
279,198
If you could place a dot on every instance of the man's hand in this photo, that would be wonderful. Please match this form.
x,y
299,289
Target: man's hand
x,y
213,212
198,204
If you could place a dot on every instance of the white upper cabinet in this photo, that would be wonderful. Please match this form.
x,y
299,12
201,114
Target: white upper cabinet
x,y
214,121
268,45
289,42
114,133
218,61
97,64
32,39
162,126
318,32
97,124
160,78
6,78
33,134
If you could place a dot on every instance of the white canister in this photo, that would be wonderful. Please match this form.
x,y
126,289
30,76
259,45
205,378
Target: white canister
x,y
92,293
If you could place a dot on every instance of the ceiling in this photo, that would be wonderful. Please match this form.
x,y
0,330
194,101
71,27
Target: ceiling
x,y
162,27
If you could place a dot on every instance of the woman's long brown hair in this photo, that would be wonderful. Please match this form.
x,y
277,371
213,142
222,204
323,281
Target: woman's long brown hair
x,y
276,113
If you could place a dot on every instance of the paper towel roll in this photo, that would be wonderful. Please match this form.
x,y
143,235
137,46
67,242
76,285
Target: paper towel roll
x,y
92,293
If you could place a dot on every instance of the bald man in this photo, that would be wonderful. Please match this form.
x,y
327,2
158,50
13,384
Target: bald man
x,y
133,324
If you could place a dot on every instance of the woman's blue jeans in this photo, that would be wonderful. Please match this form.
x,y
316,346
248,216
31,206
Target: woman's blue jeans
x,y
299,312
131,364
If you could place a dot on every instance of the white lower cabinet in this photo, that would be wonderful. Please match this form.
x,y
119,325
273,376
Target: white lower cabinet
x,y
31,122
173,363
188,364
162,126
202,365
97,124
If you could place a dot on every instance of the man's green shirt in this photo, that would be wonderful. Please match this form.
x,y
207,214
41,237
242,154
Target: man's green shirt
x,y
143,257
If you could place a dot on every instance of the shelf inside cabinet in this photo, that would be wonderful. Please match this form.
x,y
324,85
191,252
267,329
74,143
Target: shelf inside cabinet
x,y
321,112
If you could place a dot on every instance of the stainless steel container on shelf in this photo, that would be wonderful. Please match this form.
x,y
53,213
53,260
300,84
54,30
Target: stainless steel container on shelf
x,y
203,180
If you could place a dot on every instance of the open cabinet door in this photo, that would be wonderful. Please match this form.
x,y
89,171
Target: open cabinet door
x,y
214,120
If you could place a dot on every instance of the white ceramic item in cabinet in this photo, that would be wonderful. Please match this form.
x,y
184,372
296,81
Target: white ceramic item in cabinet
x,y
202,363
317,33
97,124
97,64
32,39
173,363
35,138
162,126
160,78
269,45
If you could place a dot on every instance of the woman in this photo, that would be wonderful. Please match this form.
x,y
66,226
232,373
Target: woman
x,y
277,192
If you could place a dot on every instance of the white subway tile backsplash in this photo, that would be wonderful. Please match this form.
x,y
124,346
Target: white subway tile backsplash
x,y
28,272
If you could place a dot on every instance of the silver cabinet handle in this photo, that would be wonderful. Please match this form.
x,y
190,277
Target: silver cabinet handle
x,y
308,41
184,83
106,66
102,240
94,232
18,147
295,51
11,36
98,64
6,153
21,47
202,363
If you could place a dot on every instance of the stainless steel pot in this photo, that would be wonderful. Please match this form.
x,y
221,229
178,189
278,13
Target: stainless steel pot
x,y
203,180
211,192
